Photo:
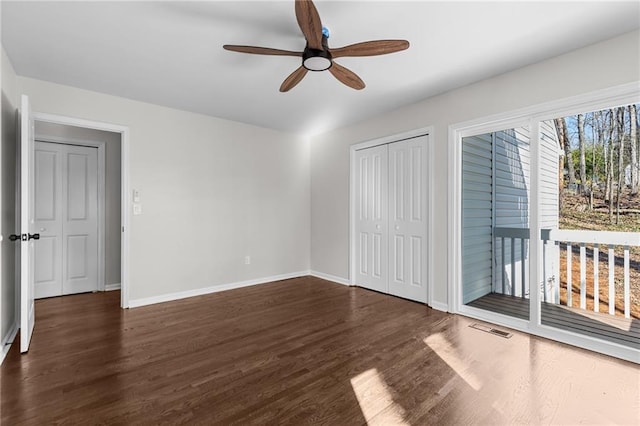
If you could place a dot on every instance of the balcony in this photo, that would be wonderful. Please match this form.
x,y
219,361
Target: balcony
x,y
591,284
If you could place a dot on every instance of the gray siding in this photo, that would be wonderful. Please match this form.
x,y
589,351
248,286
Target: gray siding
x,y
549,174
477,216
511,210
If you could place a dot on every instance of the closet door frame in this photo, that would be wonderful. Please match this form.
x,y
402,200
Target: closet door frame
x,y
100,145
428,185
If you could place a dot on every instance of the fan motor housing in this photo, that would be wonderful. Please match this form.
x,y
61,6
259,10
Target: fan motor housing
x,y
316,59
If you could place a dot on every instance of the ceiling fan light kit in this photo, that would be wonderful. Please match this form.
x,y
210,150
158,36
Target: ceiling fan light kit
x,y
316,59
317,56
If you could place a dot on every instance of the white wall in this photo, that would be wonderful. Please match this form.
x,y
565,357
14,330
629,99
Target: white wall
x,y
600,66
112,186
212,191
7,199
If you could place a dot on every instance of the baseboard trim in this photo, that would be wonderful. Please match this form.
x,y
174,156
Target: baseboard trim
x,y
6,343
112,287
329,277
439,306
135,303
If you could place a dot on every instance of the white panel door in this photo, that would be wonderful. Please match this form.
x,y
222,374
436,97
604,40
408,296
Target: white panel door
x,y
27,303
371,218
66,215
408,219
48,219
80,220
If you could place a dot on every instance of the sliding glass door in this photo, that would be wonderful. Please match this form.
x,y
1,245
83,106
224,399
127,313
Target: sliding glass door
x,y
495,221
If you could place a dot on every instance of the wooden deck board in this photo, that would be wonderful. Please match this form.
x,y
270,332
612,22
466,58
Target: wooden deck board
x,y
600,325
297,352
503,304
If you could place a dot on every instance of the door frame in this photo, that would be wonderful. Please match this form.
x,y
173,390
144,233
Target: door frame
x,y
397,137
124,190
100,145
458,132
618,95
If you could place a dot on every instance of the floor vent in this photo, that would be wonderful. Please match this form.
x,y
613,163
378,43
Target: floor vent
x,y
491,330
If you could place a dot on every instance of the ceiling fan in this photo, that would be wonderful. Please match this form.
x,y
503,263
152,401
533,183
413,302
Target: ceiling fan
x,y
317,56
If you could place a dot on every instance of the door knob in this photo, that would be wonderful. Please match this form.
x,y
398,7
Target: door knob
x,y
24,237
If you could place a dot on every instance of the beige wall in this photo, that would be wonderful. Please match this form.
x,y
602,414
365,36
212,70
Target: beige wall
x,y
7,198
112,185
600,66
212,191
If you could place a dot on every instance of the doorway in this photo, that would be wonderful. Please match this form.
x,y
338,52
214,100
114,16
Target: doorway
x,y
390,217
25,190
111,142
85,152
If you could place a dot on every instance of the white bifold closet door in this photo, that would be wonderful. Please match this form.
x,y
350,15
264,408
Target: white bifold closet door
x,y
66,216
390,221
372,218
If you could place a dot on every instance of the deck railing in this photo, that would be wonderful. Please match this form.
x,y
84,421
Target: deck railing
x,y
512,253
512,248
591,242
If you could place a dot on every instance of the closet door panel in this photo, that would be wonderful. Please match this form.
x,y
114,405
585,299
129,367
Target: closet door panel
x,y
48,212
407,221
371,227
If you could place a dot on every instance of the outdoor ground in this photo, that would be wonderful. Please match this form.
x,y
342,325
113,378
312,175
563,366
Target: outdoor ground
x,y
576,215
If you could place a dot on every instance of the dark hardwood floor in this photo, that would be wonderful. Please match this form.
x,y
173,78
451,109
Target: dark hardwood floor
x,y
299,351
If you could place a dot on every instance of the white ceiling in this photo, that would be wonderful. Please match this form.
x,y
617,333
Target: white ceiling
x,y
170,53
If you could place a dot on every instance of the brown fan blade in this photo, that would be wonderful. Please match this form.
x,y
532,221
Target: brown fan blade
x,y
309,22
371,48
293,79
346,76
260,50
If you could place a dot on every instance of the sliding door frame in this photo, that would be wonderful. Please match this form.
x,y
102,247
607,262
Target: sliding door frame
x,y
531,116
458,132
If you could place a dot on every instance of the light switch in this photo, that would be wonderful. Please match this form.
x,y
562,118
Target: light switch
x,y
137,209
136,196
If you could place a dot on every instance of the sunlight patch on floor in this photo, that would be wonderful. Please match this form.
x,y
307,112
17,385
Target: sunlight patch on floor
x,y
375,399
441,346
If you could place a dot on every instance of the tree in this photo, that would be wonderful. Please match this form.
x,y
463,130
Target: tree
x,y
582,163
633,140
620,137
563,138
597,127
609,164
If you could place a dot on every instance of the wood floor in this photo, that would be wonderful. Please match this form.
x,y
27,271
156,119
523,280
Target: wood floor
x,y
294,352
616,329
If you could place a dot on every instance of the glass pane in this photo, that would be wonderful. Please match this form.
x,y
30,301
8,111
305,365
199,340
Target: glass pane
x,y
495,221
591,259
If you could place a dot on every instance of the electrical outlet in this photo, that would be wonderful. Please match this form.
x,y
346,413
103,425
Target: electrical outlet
x,y
247,260
137,209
